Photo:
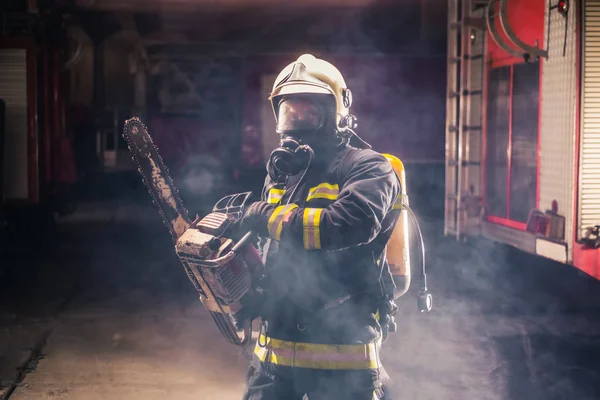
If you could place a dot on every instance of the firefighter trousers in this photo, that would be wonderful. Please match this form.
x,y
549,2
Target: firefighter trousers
x,y
295,383
291,370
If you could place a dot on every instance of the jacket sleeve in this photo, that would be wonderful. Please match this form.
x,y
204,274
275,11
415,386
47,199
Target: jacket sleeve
x,y
367,193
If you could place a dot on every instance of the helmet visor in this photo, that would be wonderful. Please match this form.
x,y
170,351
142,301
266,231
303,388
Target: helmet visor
x,y
299,114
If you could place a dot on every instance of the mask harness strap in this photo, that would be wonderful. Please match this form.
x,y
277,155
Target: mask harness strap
x,y
310,159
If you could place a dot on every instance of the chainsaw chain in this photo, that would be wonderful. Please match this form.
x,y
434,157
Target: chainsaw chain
x,y
156,177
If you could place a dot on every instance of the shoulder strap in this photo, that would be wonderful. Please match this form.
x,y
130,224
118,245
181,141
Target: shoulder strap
x,y
386,279
347,157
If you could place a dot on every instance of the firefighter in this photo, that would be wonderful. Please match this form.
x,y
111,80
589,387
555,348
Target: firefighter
x,y
329,206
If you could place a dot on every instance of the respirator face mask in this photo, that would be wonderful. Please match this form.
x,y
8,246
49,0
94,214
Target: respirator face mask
x,y
301,124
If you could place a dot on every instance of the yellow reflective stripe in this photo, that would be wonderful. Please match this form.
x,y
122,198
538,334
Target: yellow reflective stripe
x,y
318,356
324,191
275,195
400,202
275,222
312,231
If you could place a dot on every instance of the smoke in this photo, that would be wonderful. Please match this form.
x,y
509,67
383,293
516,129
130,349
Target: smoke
x,y
202,182
505,325
499,328
202,176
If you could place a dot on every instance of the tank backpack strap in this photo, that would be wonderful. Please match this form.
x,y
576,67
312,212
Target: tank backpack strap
x,y
347,158
387,279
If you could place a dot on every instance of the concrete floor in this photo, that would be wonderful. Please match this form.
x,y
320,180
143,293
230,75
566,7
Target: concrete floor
x,y
104,311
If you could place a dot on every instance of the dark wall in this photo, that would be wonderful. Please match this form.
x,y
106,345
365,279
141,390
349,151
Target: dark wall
x,y
207,99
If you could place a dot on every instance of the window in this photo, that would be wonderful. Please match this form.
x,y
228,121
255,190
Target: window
x,y
523,164
512,142
497,132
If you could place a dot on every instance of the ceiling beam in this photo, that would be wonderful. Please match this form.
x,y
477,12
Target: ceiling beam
x,y
219,5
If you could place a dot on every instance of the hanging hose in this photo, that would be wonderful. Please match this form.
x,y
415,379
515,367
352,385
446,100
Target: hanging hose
x,y
415,222
425,300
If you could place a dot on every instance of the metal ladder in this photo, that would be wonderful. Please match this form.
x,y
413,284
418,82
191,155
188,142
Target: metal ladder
x,y
465,68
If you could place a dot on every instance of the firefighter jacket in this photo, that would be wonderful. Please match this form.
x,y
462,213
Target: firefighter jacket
x,y
323,277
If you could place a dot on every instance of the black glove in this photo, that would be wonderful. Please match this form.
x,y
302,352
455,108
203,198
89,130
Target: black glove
x,y
256,217
251,309
387,310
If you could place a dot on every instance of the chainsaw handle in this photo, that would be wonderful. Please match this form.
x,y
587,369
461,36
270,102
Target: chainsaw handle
x,y
242,242
230,254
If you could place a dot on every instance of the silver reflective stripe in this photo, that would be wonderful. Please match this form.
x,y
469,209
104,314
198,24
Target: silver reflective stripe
x,y
324,191
311,227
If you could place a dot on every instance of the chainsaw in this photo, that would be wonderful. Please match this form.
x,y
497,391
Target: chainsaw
x,y
221,266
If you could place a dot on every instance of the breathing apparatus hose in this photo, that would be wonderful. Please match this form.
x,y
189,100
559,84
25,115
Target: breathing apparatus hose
x,y
425,300
415,222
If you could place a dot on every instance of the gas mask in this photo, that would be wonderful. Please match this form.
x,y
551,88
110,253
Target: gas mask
x,y
306,125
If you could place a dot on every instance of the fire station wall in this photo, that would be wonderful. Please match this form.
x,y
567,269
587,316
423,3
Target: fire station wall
x,y
119,80
13,90
118,85
558,119
81,74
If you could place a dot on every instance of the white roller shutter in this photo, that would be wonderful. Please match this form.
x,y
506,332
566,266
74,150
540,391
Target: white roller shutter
x,y
589,170
559,91
13,90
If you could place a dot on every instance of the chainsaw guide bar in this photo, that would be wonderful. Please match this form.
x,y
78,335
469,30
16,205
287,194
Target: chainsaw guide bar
x,y
210,261
156,177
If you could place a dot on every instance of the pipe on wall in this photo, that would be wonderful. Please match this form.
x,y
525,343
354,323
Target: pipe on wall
x,y
2,129
46,108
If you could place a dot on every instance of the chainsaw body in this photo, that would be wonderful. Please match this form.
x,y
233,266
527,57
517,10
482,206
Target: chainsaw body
x,y
221,267
224,269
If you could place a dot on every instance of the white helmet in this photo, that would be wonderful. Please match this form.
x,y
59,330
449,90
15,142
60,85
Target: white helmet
x,y
308,75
